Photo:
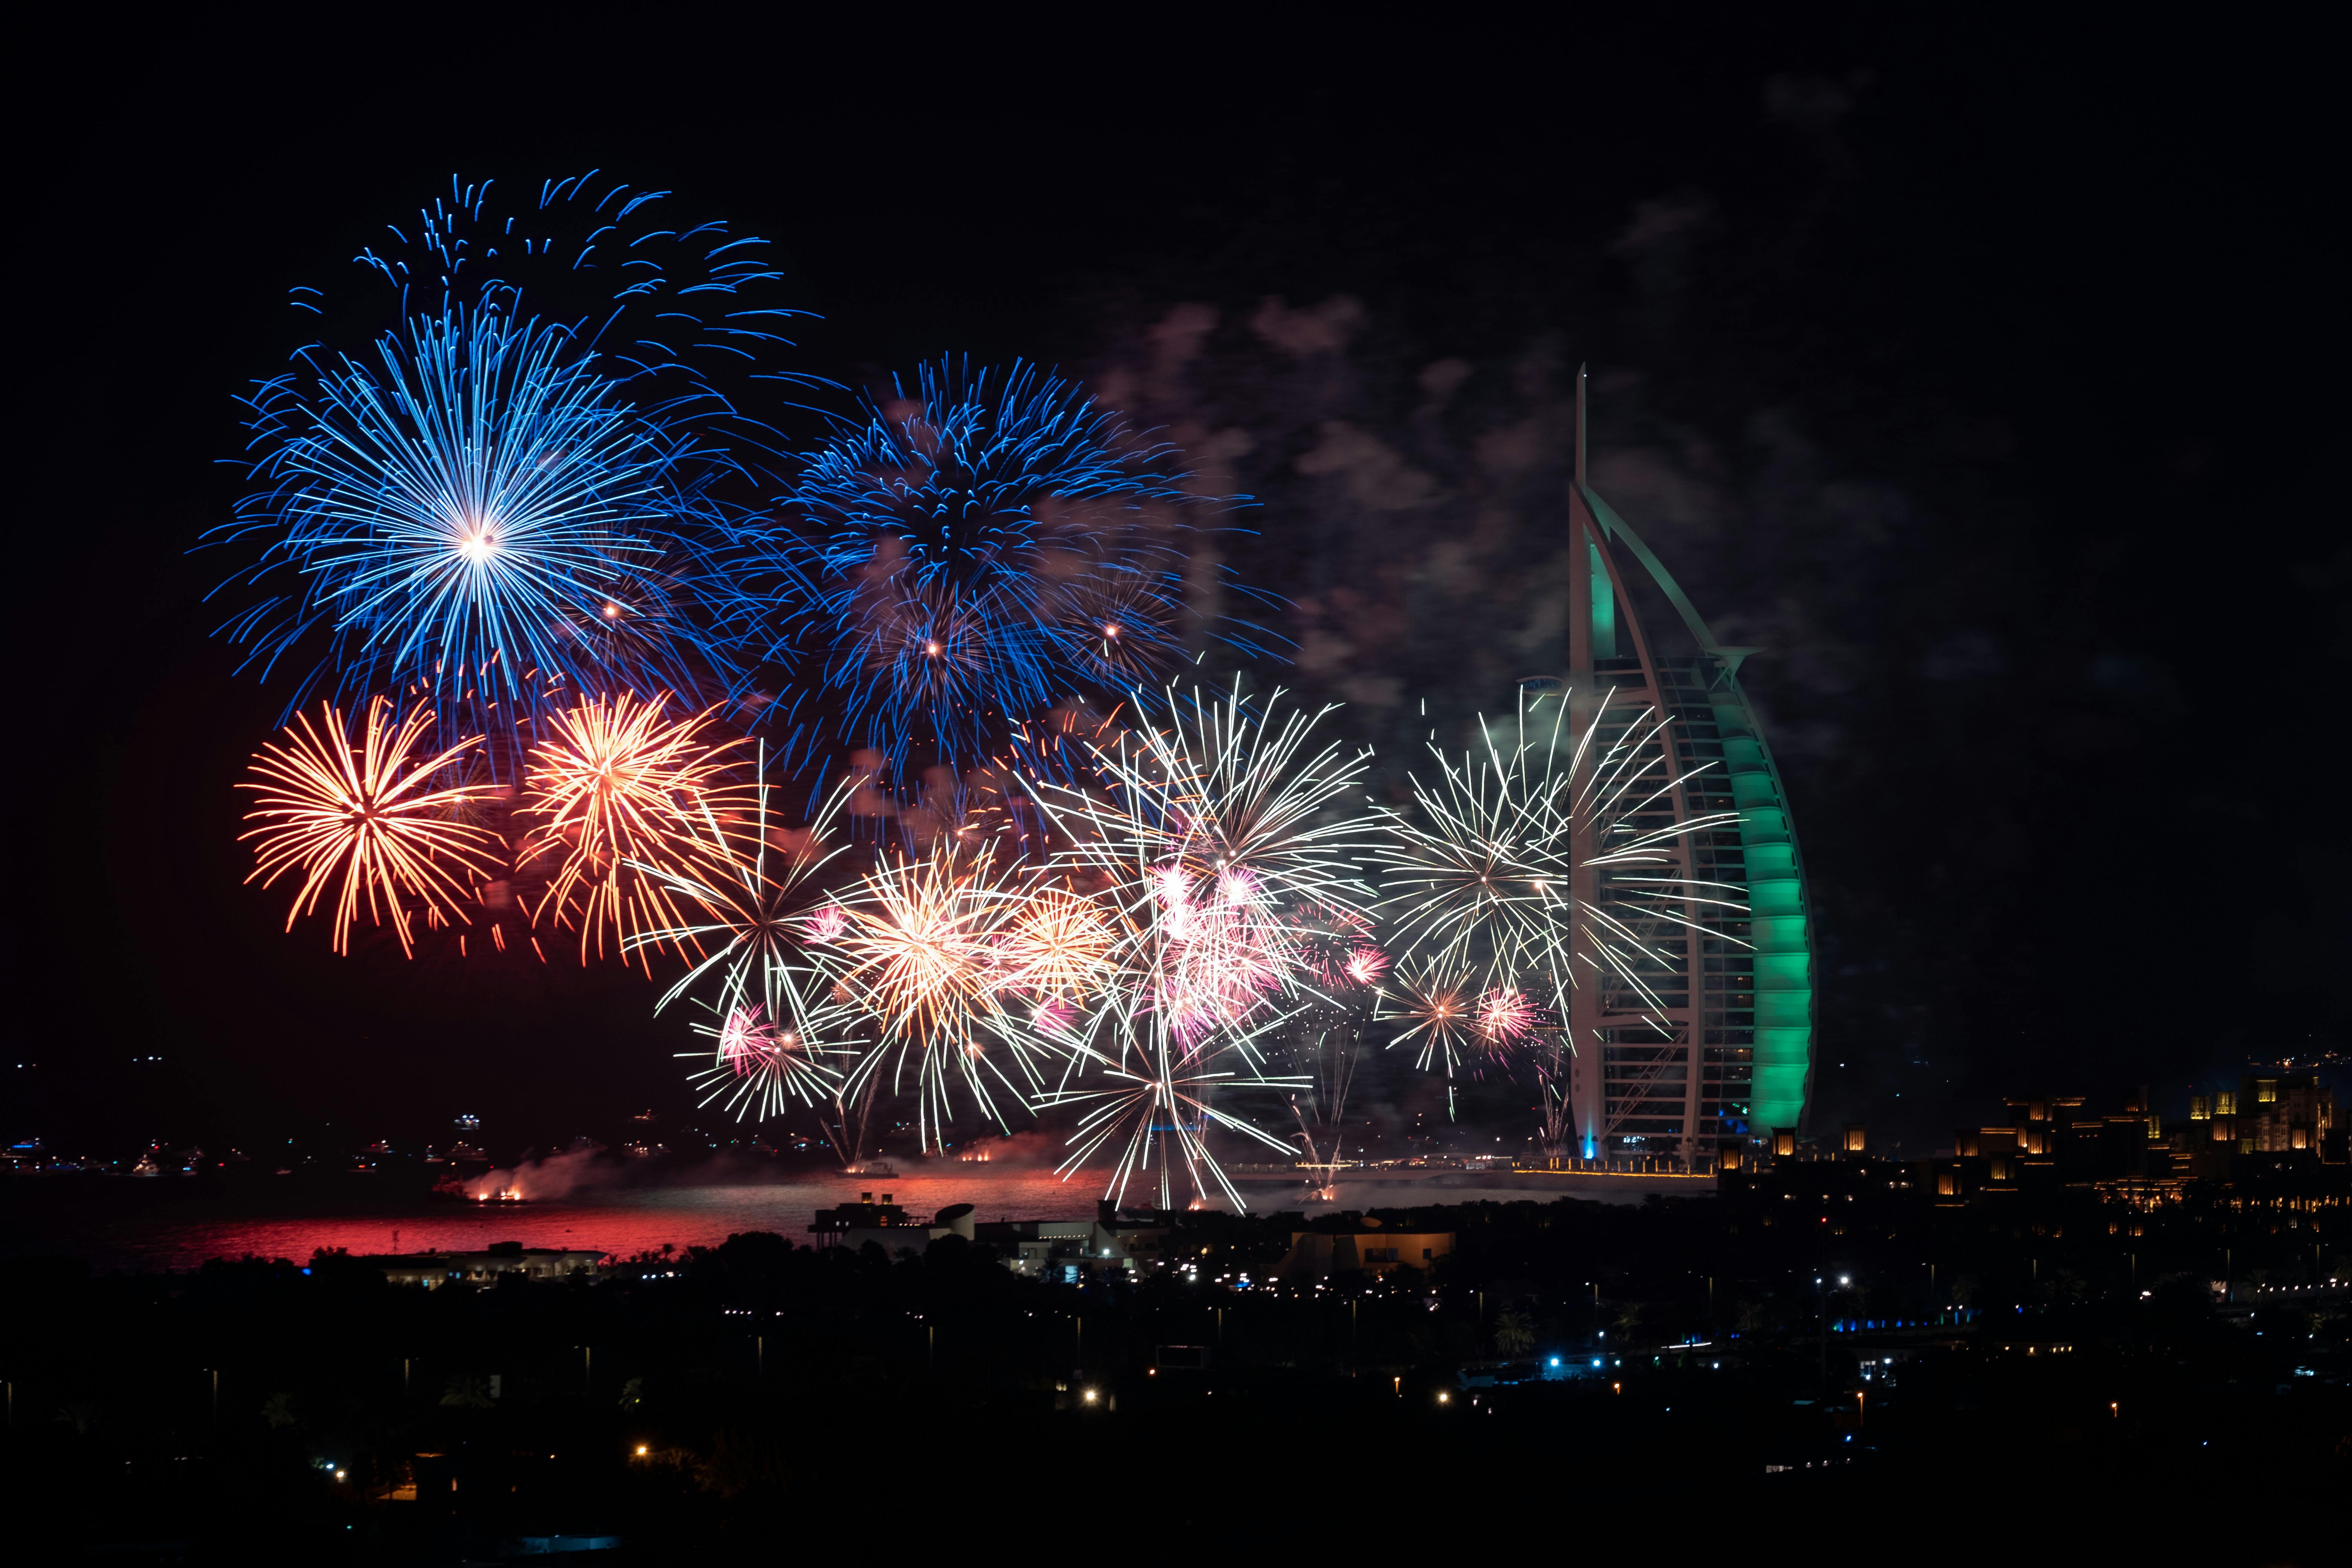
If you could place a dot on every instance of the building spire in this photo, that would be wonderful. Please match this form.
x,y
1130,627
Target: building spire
x,y
1580,426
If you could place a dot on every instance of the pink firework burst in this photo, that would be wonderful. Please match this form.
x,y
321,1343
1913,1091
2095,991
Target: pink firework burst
x,y
825,925
763,1066
1505,1015
746,1042
1173,885
1217,967
1365,964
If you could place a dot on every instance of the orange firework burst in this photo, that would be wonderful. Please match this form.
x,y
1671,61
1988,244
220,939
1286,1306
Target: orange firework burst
x,y
923,946
362,817
1058,947
615,784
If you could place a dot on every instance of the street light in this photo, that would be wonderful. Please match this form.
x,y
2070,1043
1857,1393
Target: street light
x,y
1822,1316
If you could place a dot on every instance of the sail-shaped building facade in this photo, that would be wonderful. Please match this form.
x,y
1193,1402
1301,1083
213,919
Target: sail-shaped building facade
x,y
1723,1046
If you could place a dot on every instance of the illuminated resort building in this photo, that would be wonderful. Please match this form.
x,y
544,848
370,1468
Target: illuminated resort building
x,y
1738,990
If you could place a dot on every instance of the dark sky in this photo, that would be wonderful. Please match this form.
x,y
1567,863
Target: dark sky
x,y
1983,375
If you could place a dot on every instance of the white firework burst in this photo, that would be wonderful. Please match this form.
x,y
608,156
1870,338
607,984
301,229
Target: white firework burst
x,y
1223,846
1479,876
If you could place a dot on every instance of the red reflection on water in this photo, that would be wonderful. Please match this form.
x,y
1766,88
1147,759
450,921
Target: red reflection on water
x,y
621,1223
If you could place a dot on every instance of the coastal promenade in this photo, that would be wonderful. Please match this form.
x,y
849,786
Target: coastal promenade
x,y
1398,1185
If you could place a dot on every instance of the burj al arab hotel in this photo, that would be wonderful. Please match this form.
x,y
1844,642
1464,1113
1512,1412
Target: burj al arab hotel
x,y
1722,1046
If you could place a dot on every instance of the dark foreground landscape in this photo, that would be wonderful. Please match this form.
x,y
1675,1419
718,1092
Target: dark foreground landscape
x,y
2054,1368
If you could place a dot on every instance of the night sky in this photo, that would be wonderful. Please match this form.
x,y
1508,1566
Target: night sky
x,y
1985,378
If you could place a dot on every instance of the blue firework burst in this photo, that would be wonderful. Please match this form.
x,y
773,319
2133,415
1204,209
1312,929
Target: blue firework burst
x,y
502,466
685,312
476,507
977,548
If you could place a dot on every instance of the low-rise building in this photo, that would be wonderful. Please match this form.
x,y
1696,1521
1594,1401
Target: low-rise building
x,y
434,1270
1042,1248
1064,1249
886,1224
1350,1243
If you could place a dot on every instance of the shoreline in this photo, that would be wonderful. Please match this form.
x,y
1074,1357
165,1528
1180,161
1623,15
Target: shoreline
x,y
1389,1188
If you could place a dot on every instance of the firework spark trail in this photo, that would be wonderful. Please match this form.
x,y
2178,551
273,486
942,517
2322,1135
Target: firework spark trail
x,y
1330,1038
756,913
478,499
666,300
1155,1109
1336,947
613,786
363,818
762,1068
1479,874
1440,1008
981,545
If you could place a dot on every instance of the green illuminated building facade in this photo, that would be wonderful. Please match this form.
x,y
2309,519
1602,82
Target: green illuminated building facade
x,y
1736,1057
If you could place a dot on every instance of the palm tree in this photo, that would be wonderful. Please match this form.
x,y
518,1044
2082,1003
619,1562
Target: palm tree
x,y
468,1393
1514,1334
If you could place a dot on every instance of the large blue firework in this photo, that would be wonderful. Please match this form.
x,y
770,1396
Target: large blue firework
x,y
501,465
477,510
979,547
